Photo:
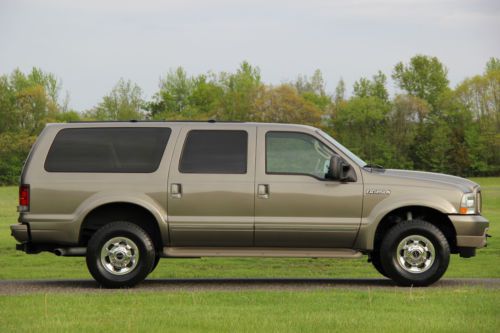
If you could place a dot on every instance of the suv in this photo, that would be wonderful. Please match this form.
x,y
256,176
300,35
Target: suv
x,y
125,194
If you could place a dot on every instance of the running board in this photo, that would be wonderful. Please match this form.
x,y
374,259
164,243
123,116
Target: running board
x,y
198,252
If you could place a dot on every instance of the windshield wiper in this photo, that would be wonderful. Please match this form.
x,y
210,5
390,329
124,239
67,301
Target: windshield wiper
x,y
373,166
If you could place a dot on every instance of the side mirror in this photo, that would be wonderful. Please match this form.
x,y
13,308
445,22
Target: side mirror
x,y
339,170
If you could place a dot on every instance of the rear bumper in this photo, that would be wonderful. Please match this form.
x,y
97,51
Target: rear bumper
x,y
471,230
20,232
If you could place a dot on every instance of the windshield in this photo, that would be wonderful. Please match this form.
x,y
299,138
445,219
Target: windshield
x,y
346,151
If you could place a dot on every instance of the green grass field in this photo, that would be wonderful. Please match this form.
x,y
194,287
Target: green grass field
x,y
460,309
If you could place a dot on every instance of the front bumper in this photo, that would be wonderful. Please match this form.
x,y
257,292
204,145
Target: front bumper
x,y
471,230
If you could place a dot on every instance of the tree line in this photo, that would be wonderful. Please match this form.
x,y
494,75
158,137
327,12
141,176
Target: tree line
x,y
426,125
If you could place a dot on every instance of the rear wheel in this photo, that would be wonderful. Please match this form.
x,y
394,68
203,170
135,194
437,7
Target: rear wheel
x,y
414,253
120,254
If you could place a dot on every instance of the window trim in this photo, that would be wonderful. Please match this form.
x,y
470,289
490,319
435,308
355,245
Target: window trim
x,y
296,173
214,173
106,128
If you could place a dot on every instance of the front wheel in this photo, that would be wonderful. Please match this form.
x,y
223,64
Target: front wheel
x,y
120,254
375,259
414,253
157,261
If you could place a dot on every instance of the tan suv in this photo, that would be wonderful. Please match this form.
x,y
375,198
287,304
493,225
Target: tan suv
x,y
124,194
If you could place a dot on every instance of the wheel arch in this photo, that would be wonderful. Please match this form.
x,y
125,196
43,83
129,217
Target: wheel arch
x,y
425,213
371,234
104,213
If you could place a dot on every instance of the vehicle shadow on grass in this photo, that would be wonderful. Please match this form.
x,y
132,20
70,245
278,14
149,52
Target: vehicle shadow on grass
x,y
229,284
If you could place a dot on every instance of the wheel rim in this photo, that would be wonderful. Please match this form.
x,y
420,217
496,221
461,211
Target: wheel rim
x,y
119,255
415,254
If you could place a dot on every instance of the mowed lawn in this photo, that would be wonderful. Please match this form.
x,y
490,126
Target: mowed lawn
x,y
457,309
329,310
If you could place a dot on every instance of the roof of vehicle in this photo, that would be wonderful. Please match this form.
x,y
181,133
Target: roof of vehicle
x,y
130,123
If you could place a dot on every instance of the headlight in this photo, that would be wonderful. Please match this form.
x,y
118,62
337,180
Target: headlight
x,y
468,204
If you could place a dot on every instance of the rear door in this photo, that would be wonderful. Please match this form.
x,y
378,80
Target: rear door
x,y
211,186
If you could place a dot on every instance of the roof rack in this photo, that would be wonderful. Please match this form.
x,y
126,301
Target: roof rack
x,y
154,121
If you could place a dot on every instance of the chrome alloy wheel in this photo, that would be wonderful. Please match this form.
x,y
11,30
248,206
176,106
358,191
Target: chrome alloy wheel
x,y
119,255
415,254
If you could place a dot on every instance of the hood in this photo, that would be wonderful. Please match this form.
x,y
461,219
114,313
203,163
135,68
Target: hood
x,y
438,179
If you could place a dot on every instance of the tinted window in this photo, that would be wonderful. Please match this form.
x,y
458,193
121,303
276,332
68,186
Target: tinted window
x,y
107,150
214,152
296,153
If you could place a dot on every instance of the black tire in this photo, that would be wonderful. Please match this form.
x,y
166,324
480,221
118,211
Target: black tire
x,y
128,238
425,274
155,264
375,258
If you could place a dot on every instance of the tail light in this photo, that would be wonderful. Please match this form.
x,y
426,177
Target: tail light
x,y
24,198
479,202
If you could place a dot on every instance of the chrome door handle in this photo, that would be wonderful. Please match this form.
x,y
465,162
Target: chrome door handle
x,y
176,191
263,191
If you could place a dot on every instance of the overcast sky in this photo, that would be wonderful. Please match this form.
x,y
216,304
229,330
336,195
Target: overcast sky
x,y
91,44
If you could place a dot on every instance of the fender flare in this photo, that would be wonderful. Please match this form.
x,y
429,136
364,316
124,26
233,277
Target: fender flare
x,y
366,235
138,199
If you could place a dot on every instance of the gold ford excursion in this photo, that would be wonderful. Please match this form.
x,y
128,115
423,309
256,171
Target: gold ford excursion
x,y
125,194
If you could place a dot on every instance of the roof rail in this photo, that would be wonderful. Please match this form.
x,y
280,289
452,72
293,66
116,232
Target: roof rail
x,y
154,121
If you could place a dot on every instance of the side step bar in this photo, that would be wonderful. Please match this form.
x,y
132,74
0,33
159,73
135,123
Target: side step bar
x,y
198,252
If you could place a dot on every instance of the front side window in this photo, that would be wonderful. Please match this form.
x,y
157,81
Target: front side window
x,y
215,151
296,153
111,149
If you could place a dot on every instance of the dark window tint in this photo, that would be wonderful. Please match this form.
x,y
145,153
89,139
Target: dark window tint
x,y
107,150
214,152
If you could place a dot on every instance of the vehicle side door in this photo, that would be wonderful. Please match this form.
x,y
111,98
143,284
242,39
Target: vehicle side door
x,y
211,186
296,205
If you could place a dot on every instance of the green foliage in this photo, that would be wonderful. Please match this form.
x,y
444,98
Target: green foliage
x,y
479,98
314,85
360,125
206,96
175,91
241,89
283,104
404,120
27,103
339,92
124,102
493,65
14,148
424,77
374,88
313,90
428,126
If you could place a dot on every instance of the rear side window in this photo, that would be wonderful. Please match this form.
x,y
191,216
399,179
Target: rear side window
x,y
128,150
215,151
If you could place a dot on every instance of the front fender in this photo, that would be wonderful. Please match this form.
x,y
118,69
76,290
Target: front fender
x,y
374,212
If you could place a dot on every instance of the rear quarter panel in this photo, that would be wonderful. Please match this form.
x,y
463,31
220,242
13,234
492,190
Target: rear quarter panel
x,y
60,201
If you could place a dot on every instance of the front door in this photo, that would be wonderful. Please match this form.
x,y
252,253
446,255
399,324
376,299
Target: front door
x,y
211,186
296,206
